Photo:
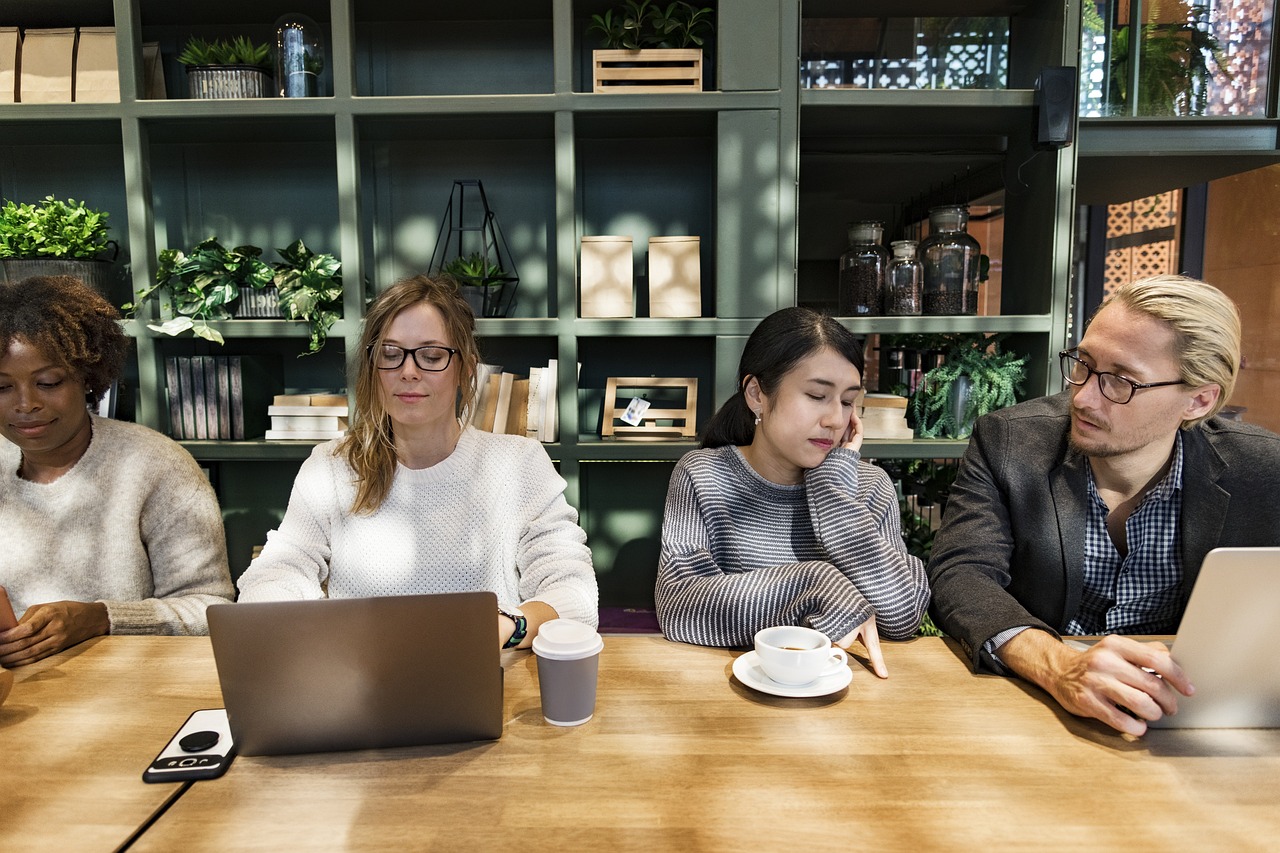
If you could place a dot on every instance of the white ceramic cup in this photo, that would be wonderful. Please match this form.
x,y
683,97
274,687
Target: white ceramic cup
x,y
796,656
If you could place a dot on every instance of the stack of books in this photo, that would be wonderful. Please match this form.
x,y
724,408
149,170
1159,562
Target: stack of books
x,y
518,405
219,397
308,417
885,416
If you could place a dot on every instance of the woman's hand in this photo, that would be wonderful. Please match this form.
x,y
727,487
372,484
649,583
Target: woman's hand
x,y
46,629
871,640
852,439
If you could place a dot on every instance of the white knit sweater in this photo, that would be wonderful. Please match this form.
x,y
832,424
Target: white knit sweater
x,y
133,524
492,516
740,553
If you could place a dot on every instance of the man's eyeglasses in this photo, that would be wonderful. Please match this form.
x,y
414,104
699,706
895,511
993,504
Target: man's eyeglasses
x,y
432,359
1117,389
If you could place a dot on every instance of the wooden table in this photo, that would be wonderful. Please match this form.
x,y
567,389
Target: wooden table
x,y
680,756
80,727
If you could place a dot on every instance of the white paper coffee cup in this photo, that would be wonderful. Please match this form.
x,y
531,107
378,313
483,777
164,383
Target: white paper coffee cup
x,y
568,654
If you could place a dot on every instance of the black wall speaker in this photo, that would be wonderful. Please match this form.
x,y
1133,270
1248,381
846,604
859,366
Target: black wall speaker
x,y
1056,89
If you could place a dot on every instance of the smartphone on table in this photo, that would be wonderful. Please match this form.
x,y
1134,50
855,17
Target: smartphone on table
x,y
201,749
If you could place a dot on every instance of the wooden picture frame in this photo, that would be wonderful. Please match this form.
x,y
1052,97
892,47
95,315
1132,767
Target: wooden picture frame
x,y
649,430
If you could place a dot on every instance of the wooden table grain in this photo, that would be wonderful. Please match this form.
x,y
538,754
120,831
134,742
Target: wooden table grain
x,y
679,756
80,727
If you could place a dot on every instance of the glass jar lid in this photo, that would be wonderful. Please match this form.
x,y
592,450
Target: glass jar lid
x,y
903,248
949,217
866,231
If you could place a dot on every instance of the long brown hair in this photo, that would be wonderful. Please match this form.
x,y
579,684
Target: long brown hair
x,y
369,446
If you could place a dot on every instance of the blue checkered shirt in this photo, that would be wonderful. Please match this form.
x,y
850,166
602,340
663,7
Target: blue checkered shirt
x,y
1136,594
1139,593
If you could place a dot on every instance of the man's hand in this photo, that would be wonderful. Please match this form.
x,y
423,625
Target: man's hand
x,y
1119,681
47,629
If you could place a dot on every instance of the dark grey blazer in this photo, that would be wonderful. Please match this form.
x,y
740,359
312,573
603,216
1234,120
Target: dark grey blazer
x,y
1011,548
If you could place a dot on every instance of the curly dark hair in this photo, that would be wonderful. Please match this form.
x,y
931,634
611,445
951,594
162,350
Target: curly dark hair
x,y
70,323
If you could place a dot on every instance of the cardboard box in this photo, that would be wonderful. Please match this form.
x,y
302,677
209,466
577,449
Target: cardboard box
x,y
607,268
97,71
48,64
10,63
675,277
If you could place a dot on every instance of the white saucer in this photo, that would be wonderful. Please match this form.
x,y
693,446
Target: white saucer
x,y
747,668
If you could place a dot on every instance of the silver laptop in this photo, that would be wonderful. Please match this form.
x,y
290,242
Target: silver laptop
x,y
359,673
1226,643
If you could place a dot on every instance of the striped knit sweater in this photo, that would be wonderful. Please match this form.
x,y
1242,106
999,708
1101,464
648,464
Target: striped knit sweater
x,y
740,553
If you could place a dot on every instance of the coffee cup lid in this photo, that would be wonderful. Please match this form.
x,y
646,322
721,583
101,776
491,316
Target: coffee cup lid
x,y
566,639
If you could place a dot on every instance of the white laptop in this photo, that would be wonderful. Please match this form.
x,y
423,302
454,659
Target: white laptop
x,y
359,673
1227,643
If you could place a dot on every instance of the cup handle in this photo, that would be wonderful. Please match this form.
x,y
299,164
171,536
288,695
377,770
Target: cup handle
x,y
839,660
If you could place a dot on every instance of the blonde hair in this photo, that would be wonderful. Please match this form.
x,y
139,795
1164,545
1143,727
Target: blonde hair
x,y
1205,325
369,446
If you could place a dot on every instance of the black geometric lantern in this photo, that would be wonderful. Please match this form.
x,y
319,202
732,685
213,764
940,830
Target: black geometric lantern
x,y
470,247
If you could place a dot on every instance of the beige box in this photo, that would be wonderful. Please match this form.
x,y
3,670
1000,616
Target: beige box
x,y
675,277
885,416
608,288
97,71
48,61
10,63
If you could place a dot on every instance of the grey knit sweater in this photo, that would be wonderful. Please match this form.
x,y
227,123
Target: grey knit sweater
x,y
740,553
134,524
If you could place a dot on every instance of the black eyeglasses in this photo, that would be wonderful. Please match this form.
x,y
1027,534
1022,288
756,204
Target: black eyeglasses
x,y
432,359
1117,389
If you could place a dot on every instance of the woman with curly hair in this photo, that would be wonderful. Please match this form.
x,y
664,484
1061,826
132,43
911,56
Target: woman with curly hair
x,y
109,527
411,501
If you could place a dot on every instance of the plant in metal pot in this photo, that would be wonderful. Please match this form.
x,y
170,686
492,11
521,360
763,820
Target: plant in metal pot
x,y
54,237
310,286
202,283
481,281
975,378
238,68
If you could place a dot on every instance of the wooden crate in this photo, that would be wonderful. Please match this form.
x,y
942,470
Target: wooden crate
x,y
649,70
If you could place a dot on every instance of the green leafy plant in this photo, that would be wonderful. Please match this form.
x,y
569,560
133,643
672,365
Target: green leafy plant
x,y
52,229
474,269
202,283
310,288
974,378
1174,69
237,51
638,24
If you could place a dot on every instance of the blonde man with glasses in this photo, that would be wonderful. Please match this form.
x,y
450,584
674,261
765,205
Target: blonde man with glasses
x,y
1089,512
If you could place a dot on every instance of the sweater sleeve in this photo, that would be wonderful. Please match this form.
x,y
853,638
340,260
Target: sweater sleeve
x,y
552,557
860,529
181,528
699,601
294,564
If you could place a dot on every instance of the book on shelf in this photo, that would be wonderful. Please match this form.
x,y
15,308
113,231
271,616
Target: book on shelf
x,y
548,427
533,405
518,410
326,399
503,406
309,423
309,411
220,397
481,397
303,434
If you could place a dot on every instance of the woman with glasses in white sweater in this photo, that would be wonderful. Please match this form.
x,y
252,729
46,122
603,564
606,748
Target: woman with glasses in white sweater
x,y
412,501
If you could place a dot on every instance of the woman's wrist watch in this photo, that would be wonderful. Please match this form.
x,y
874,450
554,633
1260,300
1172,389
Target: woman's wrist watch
x,y
522,627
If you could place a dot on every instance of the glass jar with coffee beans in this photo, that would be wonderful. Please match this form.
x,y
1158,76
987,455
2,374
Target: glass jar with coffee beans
x,y
951,260
903,281
862,270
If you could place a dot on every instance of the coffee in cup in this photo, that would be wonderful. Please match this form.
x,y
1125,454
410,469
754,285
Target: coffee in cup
x,y
795,656
568,654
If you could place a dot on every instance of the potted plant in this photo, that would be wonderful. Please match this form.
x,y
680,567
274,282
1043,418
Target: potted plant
x,y
204,284
975,378
648,47
310,288
237,68
482,283
54,237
